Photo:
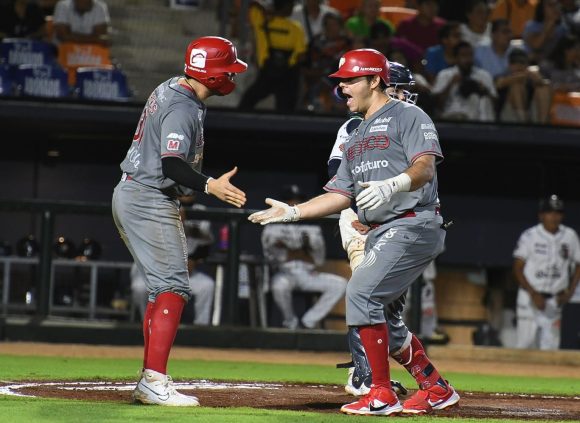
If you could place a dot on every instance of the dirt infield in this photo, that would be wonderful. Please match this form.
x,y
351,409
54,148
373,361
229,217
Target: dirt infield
x,y
305,397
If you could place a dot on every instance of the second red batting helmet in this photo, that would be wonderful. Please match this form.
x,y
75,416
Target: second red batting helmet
x,y
213,61
362,62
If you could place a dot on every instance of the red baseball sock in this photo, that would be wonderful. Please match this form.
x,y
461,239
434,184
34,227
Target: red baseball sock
x,y
414,359
165,319
146,321
375,339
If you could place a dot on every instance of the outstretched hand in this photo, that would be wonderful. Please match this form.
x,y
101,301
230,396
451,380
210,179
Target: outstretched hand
x,y
278,212
225,191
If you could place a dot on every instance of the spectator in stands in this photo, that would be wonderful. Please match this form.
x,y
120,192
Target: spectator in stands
x,y
280,50
516,12
523,94
441,56
82,21
571,15
324,53
422,29
494,57
295,250
465,92
543,32
359,26
477,30
563,65
381,38
452,10
310,14
22,19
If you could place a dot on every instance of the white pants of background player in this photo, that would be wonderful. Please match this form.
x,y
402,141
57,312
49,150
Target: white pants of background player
x,y
538,328
297,275
202,288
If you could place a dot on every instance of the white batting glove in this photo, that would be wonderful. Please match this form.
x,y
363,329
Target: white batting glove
x,y
377,193
279,212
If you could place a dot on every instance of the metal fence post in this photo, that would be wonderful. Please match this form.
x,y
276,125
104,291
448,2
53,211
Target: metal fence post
x,y
230,292
43,281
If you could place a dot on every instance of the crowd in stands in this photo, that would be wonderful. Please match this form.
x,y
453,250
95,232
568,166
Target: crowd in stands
x,y
482,60
478,60
58,49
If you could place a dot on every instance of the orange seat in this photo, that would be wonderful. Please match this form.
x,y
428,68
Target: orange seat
x,y
396,14
565,109
347,8
72,56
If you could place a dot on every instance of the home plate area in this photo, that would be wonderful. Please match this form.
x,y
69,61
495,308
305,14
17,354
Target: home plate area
x,y
303,397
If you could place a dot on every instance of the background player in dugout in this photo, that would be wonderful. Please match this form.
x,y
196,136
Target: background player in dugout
x,y
163,162
399,201
547,268
353,235
294,251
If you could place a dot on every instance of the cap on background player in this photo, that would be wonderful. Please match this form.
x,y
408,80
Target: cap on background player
x,y
400,78
213,61
551,203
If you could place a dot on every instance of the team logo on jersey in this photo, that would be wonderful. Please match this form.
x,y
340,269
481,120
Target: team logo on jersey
x,y
197,58
376,141
173,135
564,251
172,145
429,126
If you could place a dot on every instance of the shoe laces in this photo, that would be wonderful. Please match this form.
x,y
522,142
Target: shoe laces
x,y
168,384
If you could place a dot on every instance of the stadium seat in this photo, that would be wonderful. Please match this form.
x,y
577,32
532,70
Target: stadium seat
x,y
5,80
72,56
565,109
21,51
396,15
42,81
102,83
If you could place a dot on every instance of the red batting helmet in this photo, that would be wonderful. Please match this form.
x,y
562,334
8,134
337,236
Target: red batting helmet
x,y
361,62
212,61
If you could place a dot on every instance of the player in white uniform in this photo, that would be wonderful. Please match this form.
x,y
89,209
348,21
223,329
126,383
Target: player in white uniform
x,y
295,251
547,268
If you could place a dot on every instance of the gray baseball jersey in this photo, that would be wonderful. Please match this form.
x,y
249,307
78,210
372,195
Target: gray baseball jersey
x,y
171,124
382,147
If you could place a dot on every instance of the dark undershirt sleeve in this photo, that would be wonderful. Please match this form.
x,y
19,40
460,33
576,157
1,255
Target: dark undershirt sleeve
x,y
179,171
333,167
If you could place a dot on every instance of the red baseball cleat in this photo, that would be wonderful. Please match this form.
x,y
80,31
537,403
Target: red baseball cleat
x,y
437,397
378,402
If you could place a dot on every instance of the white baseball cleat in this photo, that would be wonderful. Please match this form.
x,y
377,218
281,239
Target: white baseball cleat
x,y
157,388
354,385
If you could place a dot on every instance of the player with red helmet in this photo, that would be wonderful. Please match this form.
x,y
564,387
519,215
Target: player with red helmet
x,y
163,162
389,169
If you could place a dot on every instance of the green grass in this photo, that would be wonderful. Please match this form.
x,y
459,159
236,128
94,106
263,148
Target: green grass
x,y
16,409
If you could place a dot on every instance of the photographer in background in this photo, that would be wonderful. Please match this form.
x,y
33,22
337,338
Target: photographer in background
x,y
464,91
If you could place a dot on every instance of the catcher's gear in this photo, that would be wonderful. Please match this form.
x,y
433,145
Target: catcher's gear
x,y
362,62
352,241
401,79
213,61
279,212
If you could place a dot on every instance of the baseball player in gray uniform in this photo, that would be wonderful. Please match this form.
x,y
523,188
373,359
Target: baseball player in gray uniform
x,y
547,268
388,168
163,162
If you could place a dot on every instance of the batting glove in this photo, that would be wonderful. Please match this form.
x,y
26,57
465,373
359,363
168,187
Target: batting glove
x,y
279,212
377,193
